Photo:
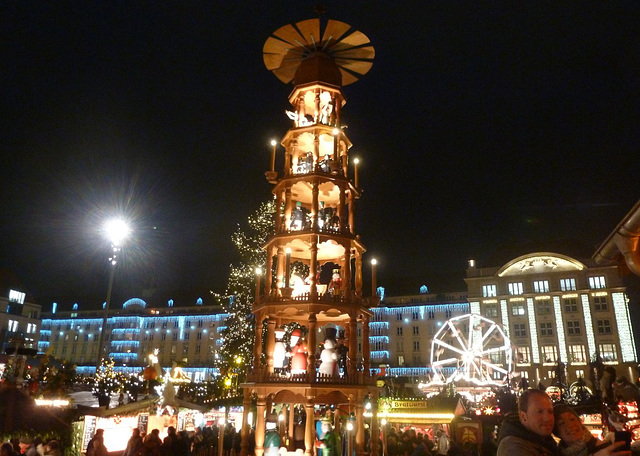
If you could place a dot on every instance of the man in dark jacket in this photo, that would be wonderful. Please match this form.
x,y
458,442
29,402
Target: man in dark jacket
x,y
529,433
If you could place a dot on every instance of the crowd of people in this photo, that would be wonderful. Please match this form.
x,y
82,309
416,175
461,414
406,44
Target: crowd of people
x,y
412,443
30,447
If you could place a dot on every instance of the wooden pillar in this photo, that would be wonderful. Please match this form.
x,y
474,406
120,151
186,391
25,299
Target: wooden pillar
x,y
288,208
352,199
341,210
260,429
358,274
316,148
359,429
309,429
268,274
278,214
316,114
280,267
346,270
314,205
246,406
313,269
292,424
257,349
375,430
366,350
311,348
353,345
271,343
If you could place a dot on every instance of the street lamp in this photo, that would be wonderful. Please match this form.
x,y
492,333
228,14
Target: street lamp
x,y
373,277
117,231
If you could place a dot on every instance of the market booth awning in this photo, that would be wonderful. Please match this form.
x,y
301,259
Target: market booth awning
x,y
419,411
19,412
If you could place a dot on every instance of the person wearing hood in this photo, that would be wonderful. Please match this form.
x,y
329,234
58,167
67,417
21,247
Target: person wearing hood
x,y
576,440
529,433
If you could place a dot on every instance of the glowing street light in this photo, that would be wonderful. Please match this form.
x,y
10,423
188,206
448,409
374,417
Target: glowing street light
x,y
355,171
116,231
274,143
374,262
258,274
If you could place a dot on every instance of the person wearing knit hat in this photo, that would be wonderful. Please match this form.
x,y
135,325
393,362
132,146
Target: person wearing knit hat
x,y
576,440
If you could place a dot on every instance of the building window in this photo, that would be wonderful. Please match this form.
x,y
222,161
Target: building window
x,y
13,325
432,330
604,326
600,303
400,346
415,314
608,352
570,304
579,373
199,336
163,336
197,349
541,286
174,336
489,291
416,331
399,330
517,309
567,284
447,313
431,314
523,355
200,323
546,329
164,324
416,345
550,353
577,354
185,349
516,288
573,328
399,316
544,306
491,310
520,330
597,282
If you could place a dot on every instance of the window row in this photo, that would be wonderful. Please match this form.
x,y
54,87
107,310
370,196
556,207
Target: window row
x,y
573,328
575,354
542,286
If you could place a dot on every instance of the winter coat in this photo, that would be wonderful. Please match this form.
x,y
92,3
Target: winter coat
x,y
515,439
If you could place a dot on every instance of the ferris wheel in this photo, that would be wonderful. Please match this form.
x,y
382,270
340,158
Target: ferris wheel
x,y
471,348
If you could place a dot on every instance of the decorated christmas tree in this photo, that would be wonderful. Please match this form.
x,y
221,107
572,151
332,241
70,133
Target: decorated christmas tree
x,y
238,337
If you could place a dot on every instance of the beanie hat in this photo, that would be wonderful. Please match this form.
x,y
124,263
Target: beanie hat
x,y
558,410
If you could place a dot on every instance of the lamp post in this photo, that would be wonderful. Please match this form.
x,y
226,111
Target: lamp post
x,y
274,143
116,231
355,171
374,262
258,274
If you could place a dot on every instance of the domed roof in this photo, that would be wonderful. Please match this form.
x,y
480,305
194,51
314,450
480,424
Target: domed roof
x,y
319,67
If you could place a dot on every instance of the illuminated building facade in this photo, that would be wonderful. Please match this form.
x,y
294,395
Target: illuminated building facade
x,y
403,327
188,335
19,321
554,309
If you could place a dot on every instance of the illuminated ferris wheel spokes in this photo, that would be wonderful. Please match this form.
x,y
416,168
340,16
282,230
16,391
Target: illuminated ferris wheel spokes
x,y
471,348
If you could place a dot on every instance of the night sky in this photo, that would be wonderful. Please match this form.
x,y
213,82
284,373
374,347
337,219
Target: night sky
x,y
485,130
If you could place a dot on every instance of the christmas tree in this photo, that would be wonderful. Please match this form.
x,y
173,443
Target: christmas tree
x,y
236,351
